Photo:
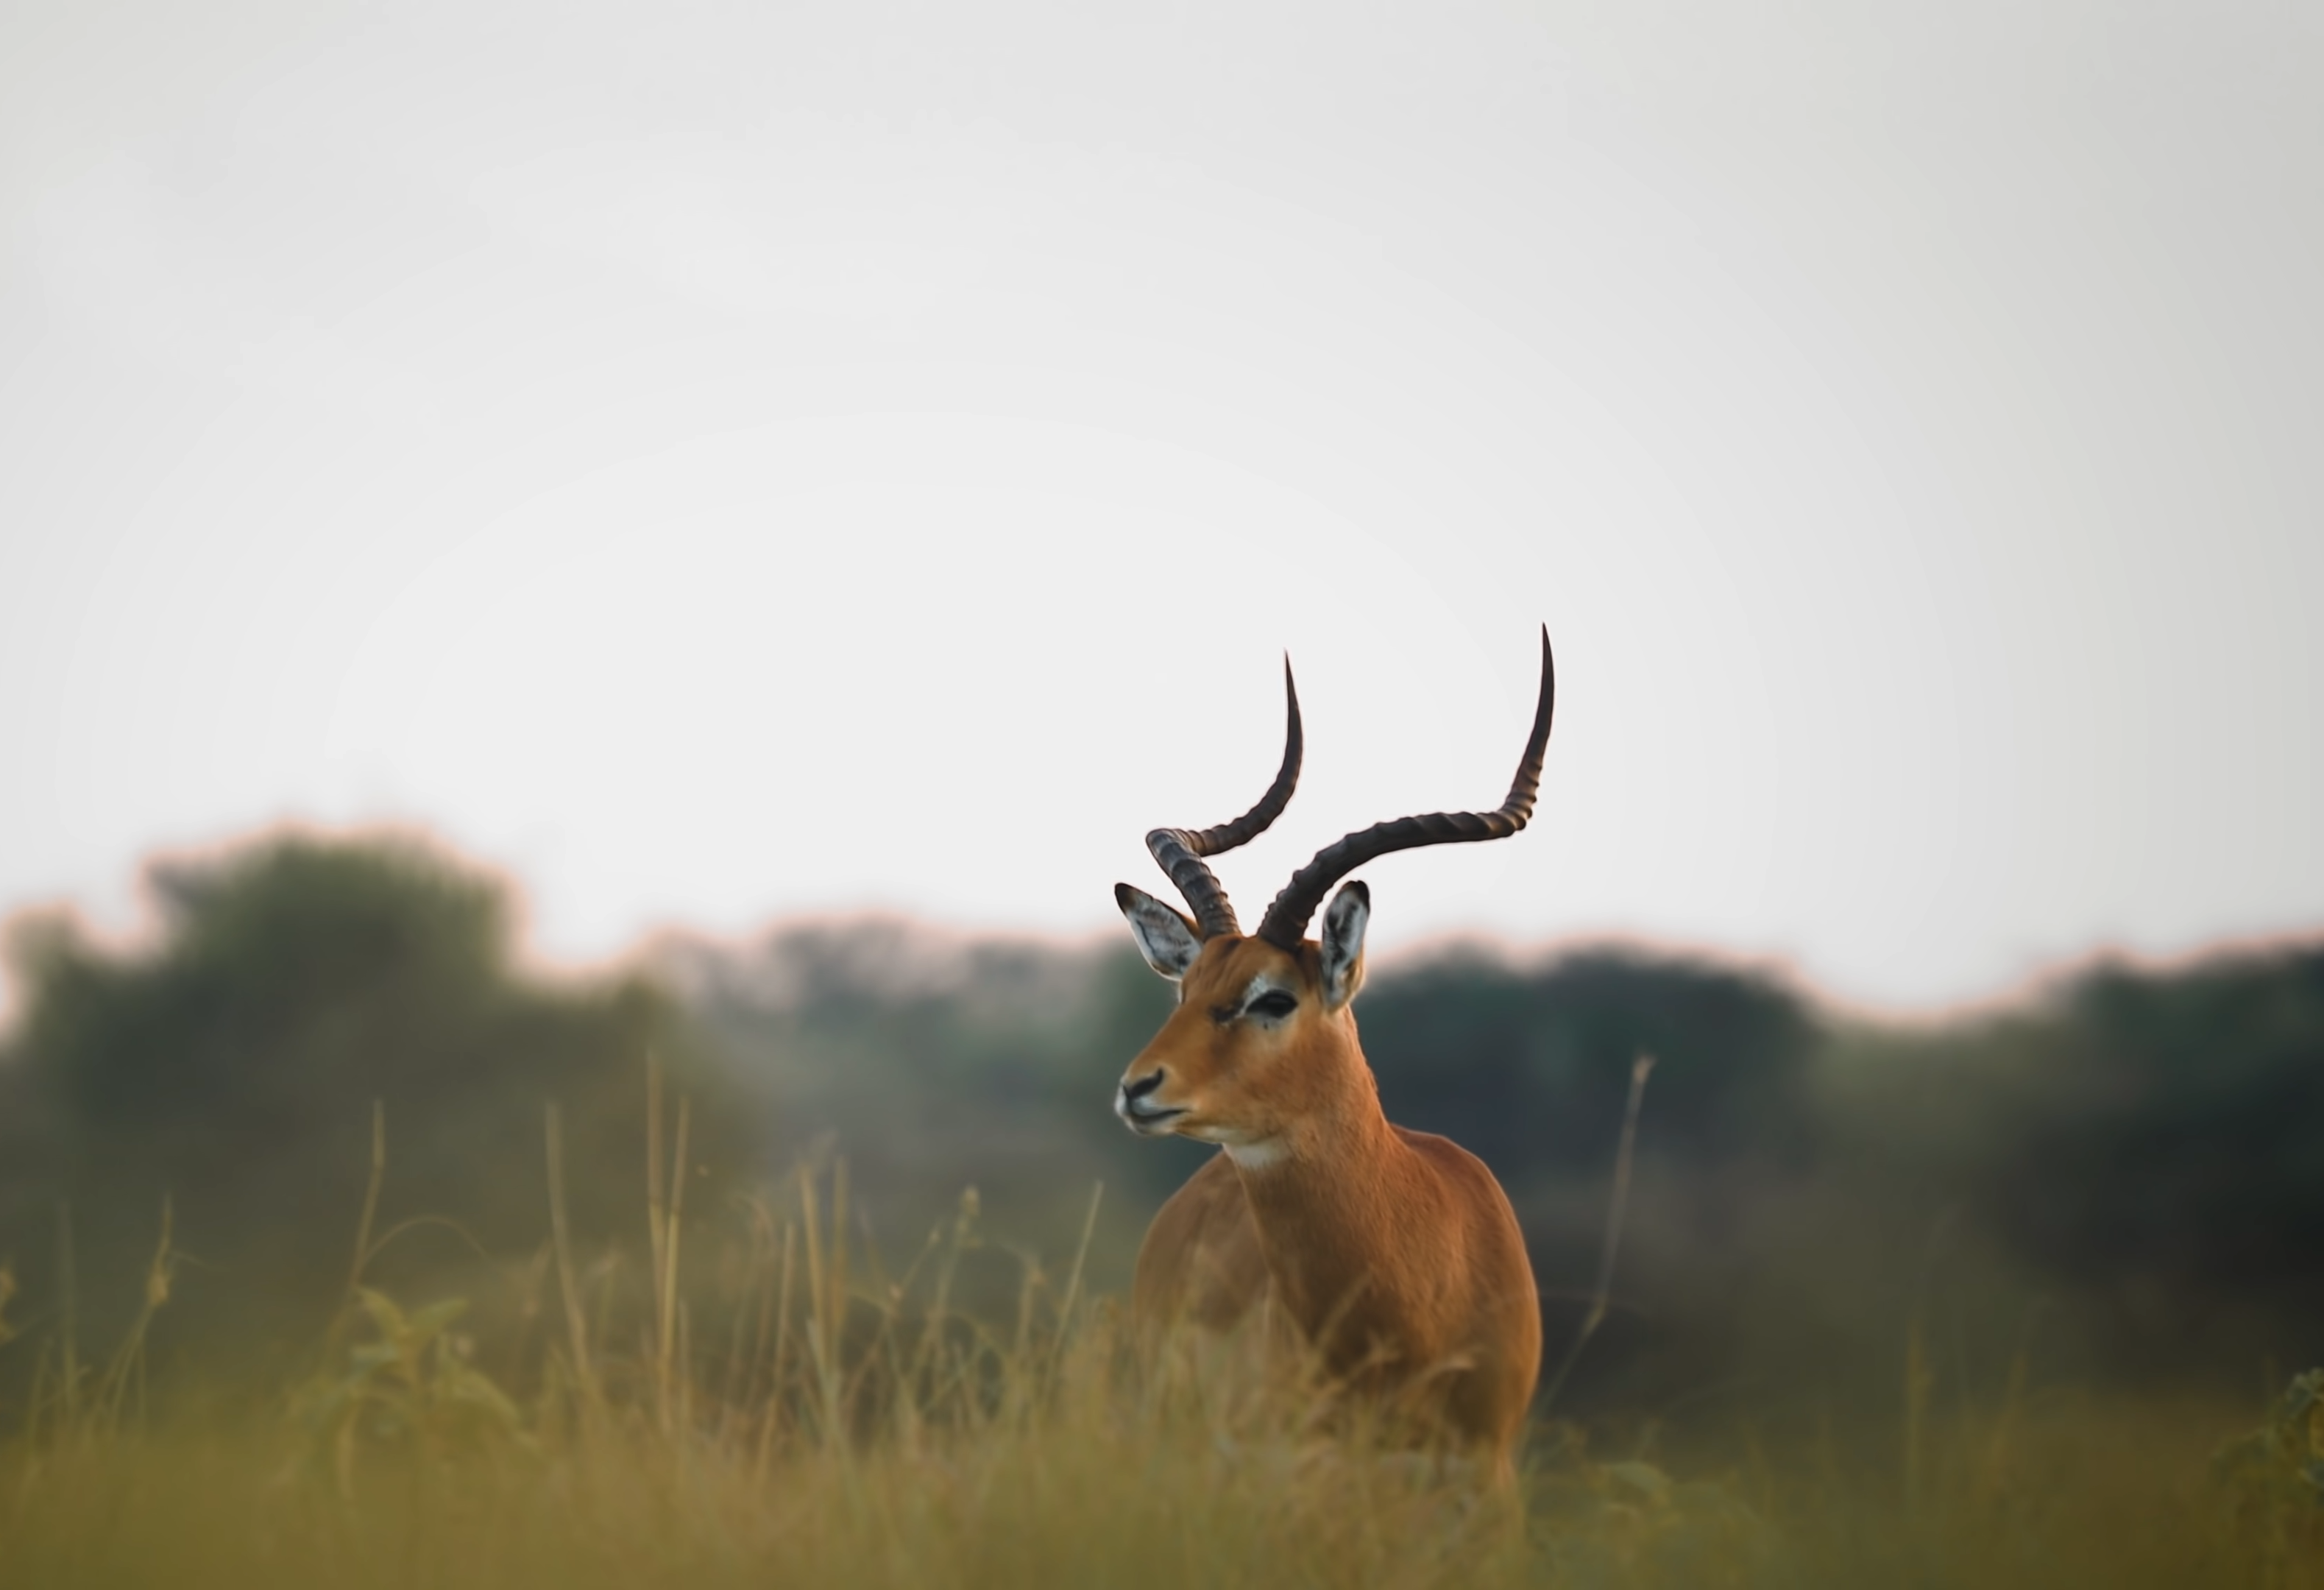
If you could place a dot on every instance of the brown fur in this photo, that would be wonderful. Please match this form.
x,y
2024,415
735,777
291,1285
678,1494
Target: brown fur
x,y
1394,1253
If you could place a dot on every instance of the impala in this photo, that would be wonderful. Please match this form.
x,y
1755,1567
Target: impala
x,y
1394,1254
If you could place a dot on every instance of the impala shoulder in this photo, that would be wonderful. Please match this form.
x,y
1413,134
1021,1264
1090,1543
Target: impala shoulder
x,y
1456,1165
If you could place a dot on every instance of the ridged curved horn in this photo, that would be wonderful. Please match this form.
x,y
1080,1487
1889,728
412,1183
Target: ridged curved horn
x,y
1180,851
1286,922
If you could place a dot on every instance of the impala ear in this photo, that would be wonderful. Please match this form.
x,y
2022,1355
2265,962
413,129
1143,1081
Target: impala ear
x,y
1165,937
1343,943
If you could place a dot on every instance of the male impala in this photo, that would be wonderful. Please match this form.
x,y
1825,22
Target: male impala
x,y
1394,1253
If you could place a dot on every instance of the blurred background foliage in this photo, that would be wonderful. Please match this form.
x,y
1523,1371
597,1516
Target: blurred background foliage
x,y
2120,1179
231,1065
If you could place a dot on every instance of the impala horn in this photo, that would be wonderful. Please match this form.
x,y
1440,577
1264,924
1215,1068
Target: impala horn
x,y
1286,923
1180,852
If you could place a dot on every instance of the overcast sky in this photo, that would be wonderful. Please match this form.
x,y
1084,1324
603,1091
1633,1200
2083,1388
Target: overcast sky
x,y
722,462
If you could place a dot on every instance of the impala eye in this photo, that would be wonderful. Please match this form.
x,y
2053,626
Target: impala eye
x,y
1274,1004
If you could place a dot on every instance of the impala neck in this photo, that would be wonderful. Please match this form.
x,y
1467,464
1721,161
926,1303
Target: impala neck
x,y
1324,1145
1324,1195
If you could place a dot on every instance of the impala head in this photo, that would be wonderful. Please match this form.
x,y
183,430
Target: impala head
x,y
1262,1040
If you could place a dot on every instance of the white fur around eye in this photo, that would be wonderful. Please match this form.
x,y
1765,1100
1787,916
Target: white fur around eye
x,y
1260,987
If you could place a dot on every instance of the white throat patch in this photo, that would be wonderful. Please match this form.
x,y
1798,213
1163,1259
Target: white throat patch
x,y
1258,1156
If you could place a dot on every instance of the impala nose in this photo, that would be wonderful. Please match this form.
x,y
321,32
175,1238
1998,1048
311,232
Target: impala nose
x,y
1140,1118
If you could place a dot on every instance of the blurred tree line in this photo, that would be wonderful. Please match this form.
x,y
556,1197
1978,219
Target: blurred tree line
x,y
2122,1177
233,1067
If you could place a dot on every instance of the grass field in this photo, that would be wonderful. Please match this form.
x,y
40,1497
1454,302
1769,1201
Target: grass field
x,y
1086,1495
766,1406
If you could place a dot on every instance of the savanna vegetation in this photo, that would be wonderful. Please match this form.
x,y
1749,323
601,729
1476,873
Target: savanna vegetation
x,y
339,1247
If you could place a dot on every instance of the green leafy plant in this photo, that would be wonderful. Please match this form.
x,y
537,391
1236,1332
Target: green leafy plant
x,y
411,1388
2275,1474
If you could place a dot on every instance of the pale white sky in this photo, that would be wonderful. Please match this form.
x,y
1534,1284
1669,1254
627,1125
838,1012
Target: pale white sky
x,y
723,461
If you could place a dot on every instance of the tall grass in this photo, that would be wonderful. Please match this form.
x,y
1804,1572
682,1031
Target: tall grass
x,y
758,1400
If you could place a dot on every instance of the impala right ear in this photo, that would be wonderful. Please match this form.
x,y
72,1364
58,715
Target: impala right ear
x,y
1165,937
1344,920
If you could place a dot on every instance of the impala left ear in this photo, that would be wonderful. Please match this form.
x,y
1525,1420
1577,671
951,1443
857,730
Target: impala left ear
x,y
1343,943
1165,937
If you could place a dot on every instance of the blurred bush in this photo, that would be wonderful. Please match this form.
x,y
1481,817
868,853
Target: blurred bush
x,y
231,1067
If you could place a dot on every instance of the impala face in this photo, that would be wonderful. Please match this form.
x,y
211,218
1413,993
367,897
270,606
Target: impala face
x,y
1260,1040
1207,1074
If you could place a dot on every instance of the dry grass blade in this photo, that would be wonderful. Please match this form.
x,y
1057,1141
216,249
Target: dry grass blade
x,y
1603,1294
577,1322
